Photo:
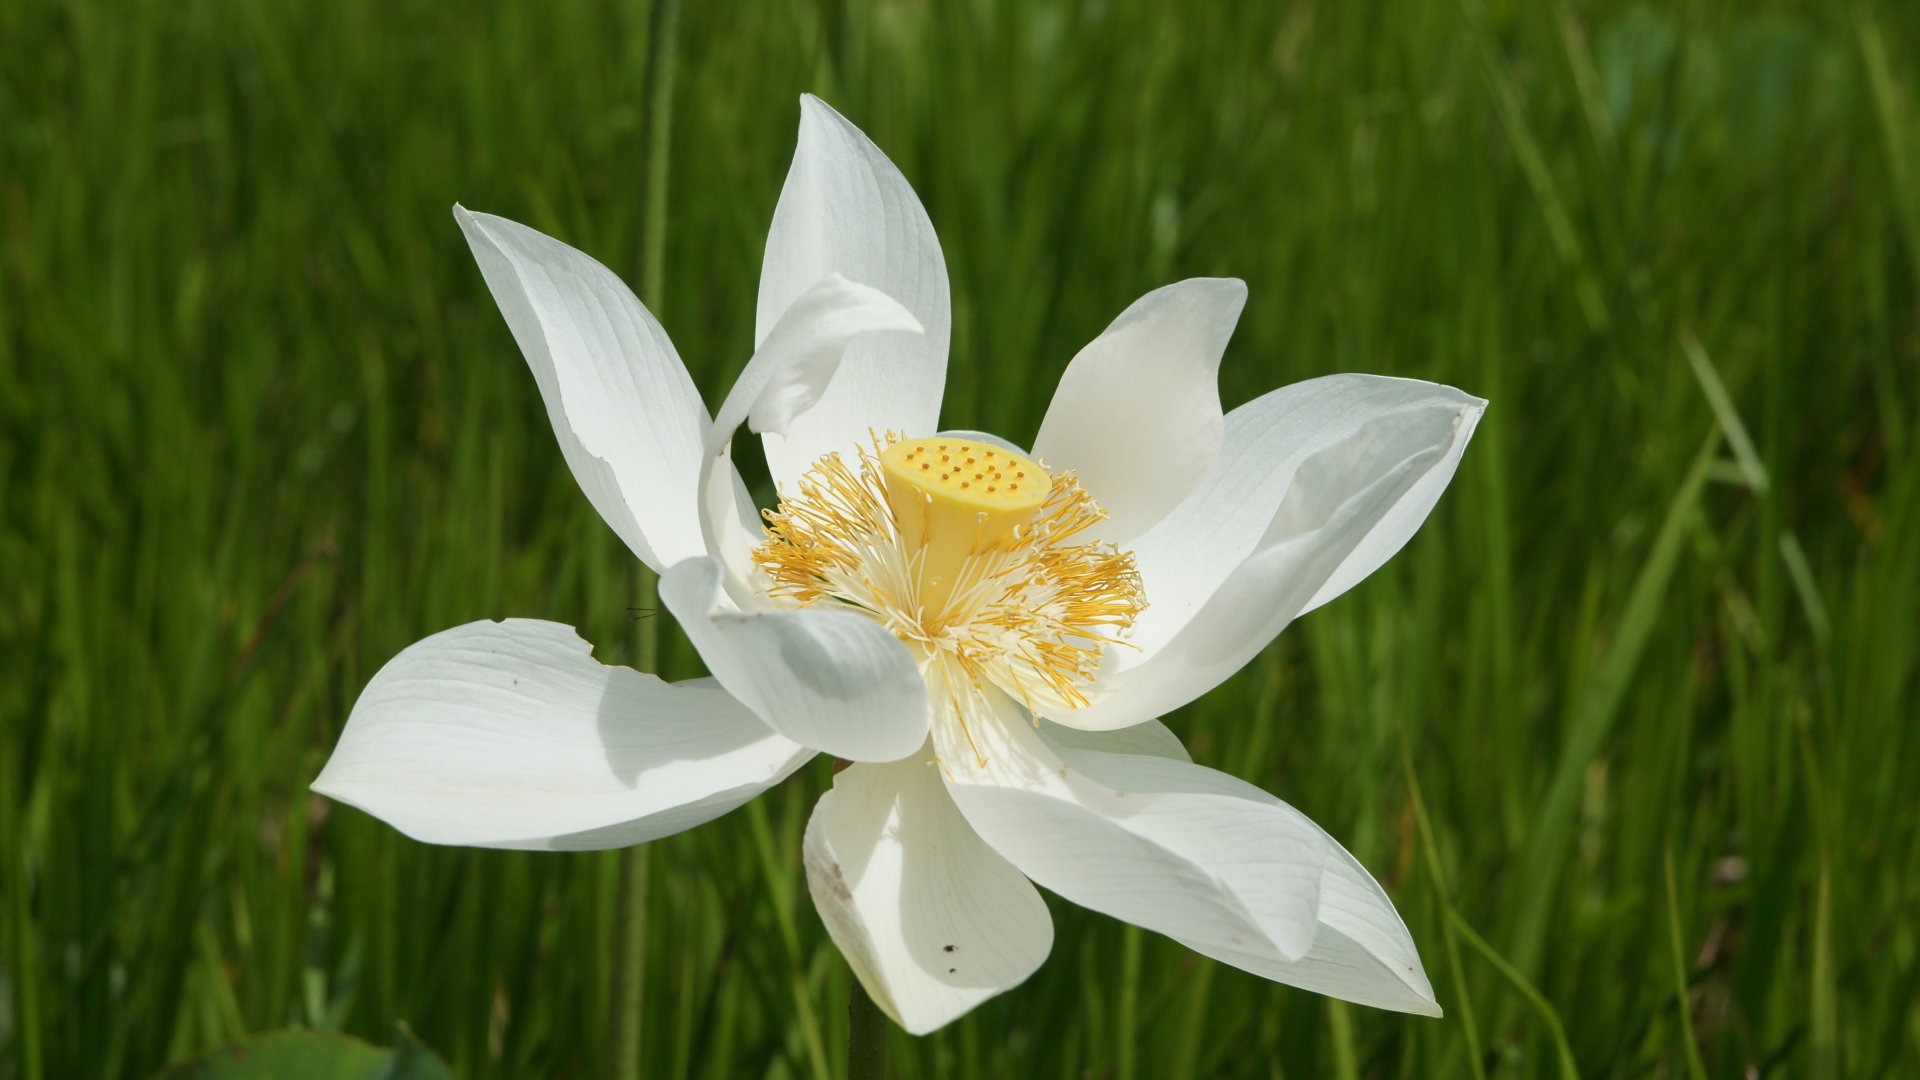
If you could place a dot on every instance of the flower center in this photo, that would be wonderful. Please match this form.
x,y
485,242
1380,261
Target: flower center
x,y
964,550
955,501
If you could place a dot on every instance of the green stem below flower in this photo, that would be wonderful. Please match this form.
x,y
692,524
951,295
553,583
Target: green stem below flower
x,y
866,1037
629,996
631,955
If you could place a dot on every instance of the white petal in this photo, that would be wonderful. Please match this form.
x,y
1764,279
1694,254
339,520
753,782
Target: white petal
x,y
627,415
1184,559
509,734
787,376
826,678
793,367
931,920
1137,412
1337,498
1148,737
846,209
1361,952
1167,845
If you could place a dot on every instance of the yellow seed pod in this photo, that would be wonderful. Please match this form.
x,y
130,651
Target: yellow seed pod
x,y
955,498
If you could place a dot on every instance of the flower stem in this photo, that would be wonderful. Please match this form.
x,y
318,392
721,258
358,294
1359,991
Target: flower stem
x,y
631,963
631,955
866,1037
662,67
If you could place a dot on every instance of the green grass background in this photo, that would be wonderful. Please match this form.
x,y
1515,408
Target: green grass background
x,y
1627,730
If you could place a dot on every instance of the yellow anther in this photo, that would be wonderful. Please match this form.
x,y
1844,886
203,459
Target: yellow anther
x,y
951,519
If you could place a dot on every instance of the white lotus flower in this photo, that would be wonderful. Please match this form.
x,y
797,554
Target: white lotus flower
x,y
987,635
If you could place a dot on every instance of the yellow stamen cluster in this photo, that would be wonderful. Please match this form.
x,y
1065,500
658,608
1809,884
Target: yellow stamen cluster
x,y
962,549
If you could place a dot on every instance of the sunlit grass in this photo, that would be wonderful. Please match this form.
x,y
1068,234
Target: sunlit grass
x,y
261,427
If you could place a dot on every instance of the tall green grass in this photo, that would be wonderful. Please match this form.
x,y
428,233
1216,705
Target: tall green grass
x,y
1627,730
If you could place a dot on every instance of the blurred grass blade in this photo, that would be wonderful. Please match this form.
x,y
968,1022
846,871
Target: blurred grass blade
x,y
1682,1000
1430,856
1594,713
1896,126
1723,411
1805,587
1533,165
1563,1053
